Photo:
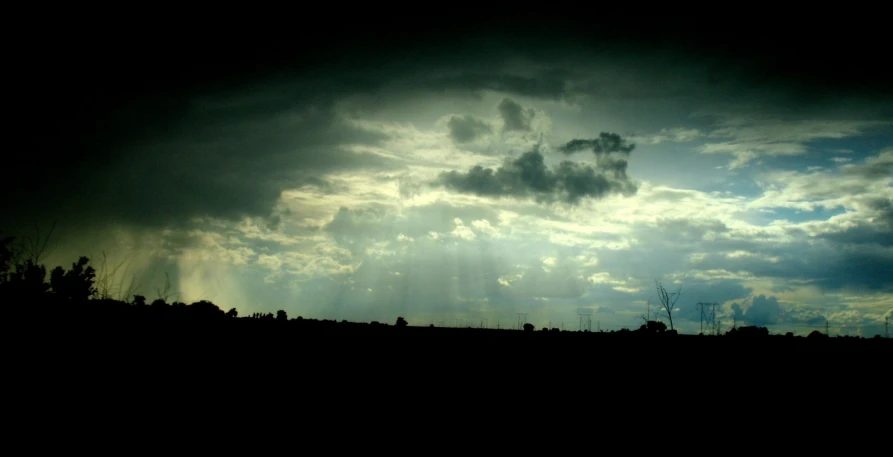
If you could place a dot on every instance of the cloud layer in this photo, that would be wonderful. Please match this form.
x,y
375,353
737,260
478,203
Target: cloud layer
x,y
452,179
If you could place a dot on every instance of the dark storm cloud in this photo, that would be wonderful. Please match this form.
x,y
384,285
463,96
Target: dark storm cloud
x,y
830,263
606,143
863,234
884,210
547,86
123,139
226,159
514,116
528,176
465,129
603,146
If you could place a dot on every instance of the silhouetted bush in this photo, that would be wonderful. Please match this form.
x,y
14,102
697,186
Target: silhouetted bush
x,y
653,327
75,284
748,331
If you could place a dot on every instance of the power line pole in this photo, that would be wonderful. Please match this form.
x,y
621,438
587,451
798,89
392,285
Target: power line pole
x,y
887,327
708,315
827,333
585,319
520,315
700,306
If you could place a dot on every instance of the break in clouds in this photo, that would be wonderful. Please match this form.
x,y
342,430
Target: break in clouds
x,y
468,178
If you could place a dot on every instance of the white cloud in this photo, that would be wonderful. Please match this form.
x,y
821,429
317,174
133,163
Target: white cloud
x,y
483,226
461,231
269,261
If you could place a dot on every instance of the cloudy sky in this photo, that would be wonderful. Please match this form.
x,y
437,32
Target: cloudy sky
x,y
462,175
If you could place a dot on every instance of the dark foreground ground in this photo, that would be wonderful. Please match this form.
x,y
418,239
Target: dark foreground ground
x,y
343,345
160,380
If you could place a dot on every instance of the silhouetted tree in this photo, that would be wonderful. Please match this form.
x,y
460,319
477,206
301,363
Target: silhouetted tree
x,y
26,282
668,300
281,315
232,313
205,310
528,327
8,254
22,276
75,284
139,300
401,322
653,327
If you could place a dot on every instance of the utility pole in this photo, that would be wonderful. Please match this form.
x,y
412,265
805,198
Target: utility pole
x,y
647,310
708,316
887,327
520,315
826,329
585,319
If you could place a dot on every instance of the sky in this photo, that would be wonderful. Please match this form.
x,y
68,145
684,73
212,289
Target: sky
x,y
466,174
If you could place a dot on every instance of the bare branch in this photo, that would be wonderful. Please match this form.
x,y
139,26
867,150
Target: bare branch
x,y
666,302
